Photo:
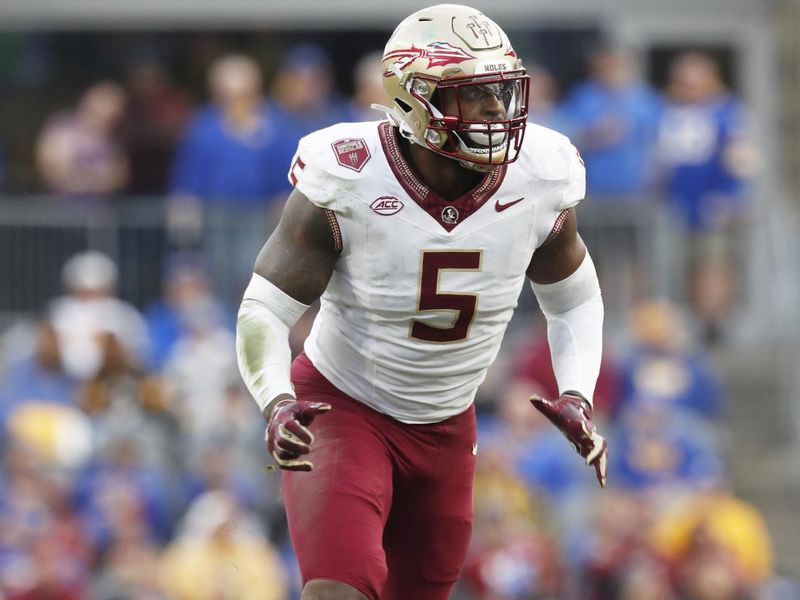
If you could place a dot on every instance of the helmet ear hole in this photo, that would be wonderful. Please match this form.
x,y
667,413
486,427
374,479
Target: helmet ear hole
x,y
406,108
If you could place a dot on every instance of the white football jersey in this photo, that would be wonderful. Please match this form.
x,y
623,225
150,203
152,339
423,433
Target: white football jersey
x,y
424,288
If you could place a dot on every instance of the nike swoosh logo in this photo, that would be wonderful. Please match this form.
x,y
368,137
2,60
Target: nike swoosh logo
x,y
501,207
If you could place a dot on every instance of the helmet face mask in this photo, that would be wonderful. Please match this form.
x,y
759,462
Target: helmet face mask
x,y
464,94
486,139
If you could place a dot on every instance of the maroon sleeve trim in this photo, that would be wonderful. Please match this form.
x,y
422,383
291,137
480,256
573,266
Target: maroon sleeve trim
x,y
558,225
337,232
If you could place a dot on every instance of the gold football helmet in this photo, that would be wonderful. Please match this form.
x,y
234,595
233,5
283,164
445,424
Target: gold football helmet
x,y
439,60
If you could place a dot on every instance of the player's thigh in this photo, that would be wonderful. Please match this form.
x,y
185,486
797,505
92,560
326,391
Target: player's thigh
x,y
336,515
337,512
429,529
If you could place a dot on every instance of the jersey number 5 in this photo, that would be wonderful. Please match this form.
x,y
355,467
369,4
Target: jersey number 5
x,y
432,262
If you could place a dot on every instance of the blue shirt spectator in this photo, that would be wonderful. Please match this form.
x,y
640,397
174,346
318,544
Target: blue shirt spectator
x,y
665,368
536,451
682,381
615,120
702,144
39,377
655,447
236,154
218,164
234,150
31,380
114,488
303,96
188,297
670,404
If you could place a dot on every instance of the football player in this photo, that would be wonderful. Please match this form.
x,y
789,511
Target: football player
x,y
417,234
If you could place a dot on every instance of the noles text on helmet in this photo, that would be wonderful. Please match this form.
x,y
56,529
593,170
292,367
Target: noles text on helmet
x,y
454,85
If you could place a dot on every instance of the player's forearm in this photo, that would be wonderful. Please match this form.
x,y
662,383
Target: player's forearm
x,y
574,311
262,342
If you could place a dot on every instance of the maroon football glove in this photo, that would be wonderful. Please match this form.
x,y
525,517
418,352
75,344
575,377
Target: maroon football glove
x,y
573,416
288,437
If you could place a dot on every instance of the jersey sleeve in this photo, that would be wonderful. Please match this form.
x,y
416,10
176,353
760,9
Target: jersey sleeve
x,y
574,189
566,168
309,176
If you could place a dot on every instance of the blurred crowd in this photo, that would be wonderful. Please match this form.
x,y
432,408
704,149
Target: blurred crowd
x,y
132,457
133,463
685,148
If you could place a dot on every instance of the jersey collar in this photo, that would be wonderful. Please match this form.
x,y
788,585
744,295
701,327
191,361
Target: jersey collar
x,y
448,213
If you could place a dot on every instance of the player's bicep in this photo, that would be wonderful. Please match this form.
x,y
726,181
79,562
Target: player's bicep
x,y
300,255
561,254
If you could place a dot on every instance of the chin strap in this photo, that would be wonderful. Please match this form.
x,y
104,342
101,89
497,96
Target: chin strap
x,y
397,120
385,109
480,168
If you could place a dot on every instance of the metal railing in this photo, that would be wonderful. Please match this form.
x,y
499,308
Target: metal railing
x,y
633,244
38,234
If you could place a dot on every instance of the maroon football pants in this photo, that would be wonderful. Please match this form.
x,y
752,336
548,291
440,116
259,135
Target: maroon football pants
x,y
388,506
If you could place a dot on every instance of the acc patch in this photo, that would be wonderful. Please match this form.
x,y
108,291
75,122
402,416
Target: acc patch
x,y
386,205
351,153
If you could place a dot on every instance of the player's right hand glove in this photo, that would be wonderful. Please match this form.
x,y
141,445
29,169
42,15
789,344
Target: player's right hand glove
x,y
573,416
288,437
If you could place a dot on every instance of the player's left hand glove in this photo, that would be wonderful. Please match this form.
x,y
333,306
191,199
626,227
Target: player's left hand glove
x,y
573,416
